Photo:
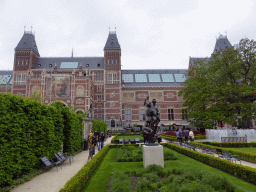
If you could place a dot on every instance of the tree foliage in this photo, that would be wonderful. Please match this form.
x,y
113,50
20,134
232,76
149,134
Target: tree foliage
x,y
222,88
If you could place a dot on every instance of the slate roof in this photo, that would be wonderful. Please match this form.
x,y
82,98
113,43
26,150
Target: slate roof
x,y
222,42
153,71
44,62
112,41
4,74
194,59
27,42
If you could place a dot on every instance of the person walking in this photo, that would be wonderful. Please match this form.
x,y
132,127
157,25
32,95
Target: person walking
x,y
91,139
191,135
186,136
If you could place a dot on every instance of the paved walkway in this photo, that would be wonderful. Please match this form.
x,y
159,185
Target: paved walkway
x,y
53,181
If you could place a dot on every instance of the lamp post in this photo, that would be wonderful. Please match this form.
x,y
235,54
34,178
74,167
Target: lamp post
x,y
120,121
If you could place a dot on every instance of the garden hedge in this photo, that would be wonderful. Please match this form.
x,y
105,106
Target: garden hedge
x,y
99,126
78,182
174,138
29,131
230,144
246,173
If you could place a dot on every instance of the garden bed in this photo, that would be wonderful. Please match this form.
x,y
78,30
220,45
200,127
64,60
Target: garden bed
x,y
100,180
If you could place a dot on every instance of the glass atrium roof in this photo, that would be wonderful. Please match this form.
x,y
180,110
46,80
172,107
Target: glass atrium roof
x,y
167,78
179,78
127,78
4,79
68,65
141,78
154,78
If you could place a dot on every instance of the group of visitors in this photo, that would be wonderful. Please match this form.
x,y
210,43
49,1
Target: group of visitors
x,y
188,134
95,139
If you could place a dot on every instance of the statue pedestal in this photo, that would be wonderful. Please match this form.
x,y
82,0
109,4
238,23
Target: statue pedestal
x,y
153,155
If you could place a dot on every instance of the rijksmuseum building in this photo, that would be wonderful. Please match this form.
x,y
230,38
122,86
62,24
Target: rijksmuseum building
x,y
98,85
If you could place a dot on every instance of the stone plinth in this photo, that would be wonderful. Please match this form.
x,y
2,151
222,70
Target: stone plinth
x,y
153,155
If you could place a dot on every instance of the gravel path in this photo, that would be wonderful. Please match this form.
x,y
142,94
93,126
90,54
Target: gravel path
x,y
53,181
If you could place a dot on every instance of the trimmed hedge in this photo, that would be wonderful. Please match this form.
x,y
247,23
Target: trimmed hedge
x,y
246,156
78,182
230,144
174,138
246,173
99,126
30,130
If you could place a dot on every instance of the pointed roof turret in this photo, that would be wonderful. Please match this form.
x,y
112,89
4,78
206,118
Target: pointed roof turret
x,y
27,42
112,41
222,42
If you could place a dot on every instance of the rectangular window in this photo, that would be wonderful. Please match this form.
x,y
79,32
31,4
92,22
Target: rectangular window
x,y
20,79
170,114
99,117
142,114
99,76
99,108
99,89
128,116
99,98
112,78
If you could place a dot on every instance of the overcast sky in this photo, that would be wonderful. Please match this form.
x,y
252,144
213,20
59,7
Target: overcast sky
x,y
157,34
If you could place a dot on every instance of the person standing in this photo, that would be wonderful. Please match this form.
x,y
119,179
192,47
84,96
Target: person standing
x,y
191,135
91,138
186,136
144,135
102,139
180,135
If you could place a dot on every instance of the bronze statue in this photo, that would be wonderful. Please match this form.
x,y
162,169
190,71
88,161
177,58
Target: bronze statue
x,y
152,119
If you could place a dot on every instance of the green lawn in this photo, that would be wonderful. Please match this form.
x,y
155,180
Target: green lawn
x,y
99,181
246,149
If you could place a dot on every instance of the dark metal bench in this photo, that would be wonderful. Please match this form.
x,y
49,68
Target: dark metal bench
x,y
48,163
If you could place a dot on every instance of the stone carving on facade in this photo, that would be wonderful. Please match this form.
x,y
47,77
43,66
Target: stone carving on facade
x,y
170,95
79,101
156,95
128,96
80,91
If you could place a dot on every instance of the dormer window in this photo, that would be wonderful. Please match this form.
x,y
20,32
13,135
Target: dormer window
x,y
50,65
24,43
87,65
224,42
98,65
39,65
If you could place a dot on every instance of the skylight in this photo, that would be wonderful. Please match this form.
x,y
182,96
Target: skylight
x,y
127,78
179,78
167,78
141,78
68,65
4,79
154,78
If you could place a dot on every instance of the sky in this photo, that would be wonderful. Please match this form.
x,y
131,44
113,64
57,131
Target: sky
x,y
153,34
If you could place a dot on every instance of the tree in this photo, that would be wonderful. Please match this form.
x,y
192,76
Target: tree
x,y
222,88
